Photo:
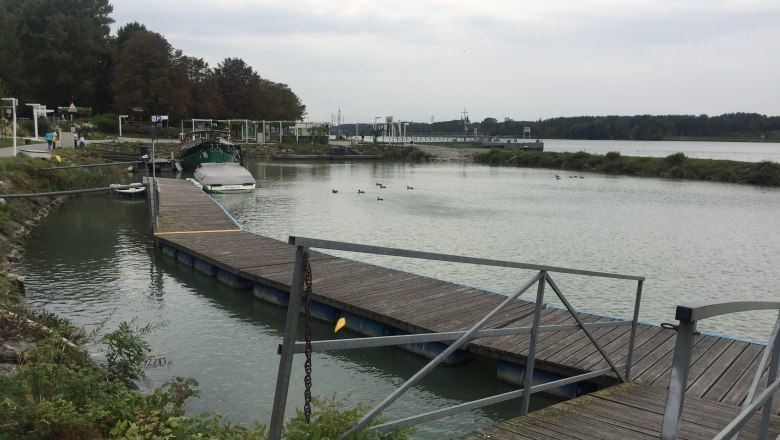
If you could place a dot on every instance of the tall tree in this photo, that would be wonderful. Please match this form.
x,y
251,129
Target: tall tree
x,y
11,67
125,32
279,102
145,77
241,88
205,96
66,49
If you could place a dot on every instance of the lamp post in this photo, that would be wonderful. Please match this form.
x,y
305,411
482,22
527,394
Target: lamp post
x,y
14,103
120,123
35,108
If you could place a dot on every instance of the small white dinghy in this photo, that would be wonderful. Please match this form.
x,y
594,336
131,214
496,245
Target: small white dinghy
x,y
129,189
225,177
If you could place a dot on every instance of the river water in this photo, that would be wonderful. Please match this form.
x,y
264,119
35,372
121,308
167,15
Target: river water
x,y
742,151
93,261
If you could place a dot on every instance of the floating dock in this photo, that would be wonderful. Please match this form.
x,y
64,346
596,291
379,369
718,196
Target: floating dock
x,y
192,228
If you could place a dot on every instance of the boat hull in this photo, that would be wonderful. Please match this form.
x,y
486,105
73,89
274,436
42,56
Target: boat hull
x,y
136,190
224,178
229,189
207,146
213,153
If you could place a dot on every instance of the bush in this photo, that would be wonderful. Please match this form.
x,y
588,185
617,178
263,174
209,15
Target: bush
x,y
29,126
676,158
330,419
126,354
106,123
612,155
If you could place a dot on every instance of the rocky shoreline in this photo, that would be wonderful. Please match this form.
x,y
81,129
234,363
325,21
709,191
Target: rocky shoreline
x,y
12,237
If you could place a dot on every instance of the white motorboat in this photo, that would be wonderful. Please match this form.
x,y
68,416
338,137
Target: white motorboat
x,y
225,177
129,189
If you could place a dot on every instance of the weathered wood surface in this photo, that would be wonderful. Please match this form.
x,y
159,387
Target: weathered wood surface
x,y
191,221
628,411
187,210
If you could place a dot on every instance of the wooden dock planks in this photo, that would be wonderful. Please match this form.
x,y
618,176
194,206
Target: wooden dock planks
x,y
628,411
721,368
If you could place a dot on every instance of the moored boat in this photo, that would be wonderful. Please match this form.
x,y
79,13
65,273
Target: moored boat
x,y
203,146
129,189
226,177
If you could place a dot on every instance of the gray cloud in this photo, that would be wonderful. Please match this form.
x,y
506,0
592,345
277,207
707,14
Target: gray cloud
x,y
430,58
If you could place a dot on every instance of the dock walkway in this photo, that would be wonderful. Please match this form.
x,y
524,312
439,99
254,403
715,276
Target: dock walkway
x,y
197,231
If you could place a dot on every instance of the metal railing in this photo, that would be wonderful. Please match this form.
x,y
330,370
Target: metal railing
x,y
289,347
688,316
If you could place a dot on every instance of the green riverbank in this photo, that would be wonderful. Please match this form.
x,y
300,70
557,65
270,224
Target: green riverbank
x,y
51,387
675,166
165,149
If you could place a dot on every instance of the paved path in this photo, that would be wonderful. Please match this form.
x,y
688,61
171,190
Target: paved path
x,y
39,148
34,150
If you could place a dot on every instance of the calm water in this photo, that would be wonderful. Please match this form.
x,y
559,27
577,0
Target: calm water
x,y
693,241
742,151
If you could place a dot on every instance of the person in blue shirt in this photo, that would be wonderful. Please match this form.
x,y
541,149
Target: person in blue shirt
x,y
49,136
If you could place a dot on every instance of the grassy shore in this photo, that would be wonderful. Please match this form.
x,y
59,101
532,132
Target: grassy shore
x,y
675,166
51,388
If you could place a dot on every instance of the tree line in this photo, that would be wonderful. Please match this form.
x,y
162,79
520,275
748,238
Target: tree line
x,y
640,127
57,51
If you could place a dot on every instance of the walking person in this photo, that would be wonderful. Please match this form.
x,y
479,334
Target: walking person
x,y
75,140
54,138
48,137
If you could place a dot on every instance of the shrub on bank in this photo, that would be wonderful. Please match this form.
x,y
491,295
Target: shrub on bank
x,y
106,123
676,165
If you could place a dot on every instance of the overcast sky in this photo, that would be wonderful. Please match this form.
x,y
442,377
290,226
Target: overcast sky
x,y
417,59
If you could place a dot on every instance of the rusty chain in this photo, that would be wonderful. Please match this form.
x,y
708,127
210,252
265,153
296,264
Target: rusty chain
x,y
307,337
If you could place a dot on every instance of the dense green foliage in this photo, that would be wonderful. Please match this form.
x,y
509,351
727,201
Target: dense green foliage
x,y
737,126
673,166
330,418
54,52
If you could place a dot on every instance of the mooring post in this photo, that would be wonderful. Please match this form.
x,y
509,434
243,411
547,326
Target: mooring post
x,y
681,363
288,347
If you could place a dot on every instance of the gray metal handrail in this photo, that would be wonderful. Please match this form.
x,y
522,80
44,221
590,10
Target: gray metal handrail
x,y
688,316
289,347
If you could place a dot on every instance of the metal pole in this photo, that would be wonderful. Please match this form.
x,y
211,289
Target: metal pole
x,y
288,347
15,103
35,117
438,359
529,367
154,175
767,409
634,324
152,204
120,123
679,380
